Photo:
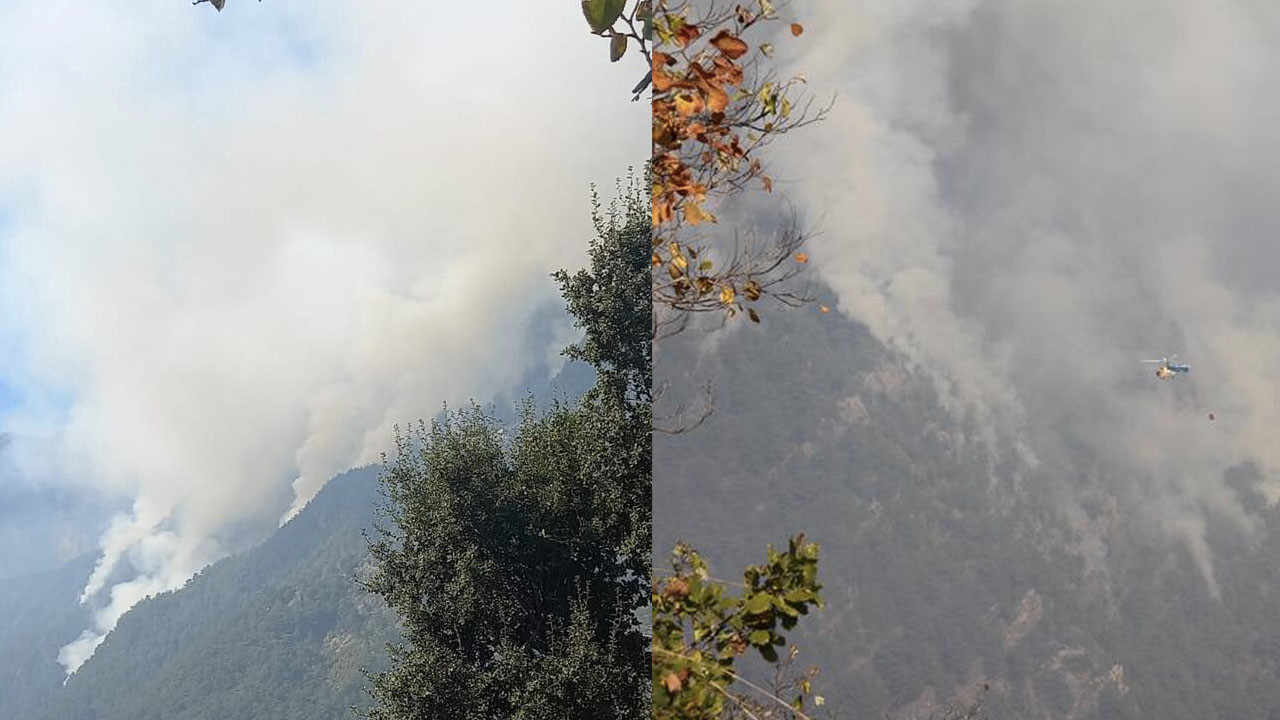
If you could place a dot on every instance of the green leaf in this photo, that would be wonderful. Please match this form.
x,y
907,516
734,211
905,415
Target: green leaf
x,y
617,46
759,637
758,603
800,595
602,14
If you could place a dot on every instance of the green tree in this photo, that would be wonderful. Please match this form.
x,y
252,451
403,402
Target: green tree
x,y
518,562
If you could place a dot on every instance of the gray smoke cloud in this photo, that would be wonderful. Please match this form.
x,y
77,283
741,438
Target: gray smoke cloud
x,y
1028,198
236,248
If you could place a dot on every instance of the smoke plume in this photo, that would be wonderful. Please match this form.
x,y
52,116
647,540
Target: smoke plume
x,y
1028,198
237,247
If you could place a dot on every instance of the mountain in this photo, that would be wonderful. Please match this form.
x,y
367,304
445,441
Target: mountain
x,y
280,631
944,573
38,614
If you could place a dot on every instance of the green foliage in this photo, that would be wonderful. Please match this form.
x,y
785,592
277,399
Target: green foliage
x,y
612,19
611,300
700,629
602,14
517,560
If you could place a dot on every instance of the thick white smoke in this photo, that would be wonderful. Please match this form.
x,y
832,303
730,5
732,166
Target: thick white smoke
x,y
237,247
1027,198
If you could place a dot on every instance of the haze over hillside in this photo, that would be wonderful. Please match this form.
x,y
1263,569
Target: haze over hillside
x,y
944,570
1015,203
279,631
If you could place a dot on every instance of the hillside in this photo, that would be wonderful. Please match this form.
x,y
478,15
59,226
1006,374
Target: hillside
x,y
943,574
37,615
280,631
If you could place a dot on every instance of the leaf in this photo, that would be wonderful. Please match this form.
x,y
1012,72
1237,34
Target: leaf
x,y
672,683
662,82
726,297
755,316
824,308
686,35
688,104
676,588
768,183
729,44
694,214
759,602
717,99
802,258
602,14
796,29
617,46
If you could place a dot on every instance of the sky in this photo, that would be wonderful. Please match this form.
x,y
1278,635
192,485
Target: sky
x,y
236,248
1026,199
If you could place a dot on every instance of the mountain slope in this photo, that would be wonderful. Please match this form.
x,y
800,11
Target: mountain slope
x,y
944,573
38,613
280,631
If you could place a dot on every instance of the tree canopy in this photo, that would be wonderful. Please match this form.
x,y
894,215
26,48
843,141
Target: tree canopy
x,y
518,558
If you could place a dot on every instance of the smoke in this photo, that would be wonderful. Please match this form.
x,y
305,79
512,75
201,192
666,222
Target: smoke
x,y
1028,198
238,247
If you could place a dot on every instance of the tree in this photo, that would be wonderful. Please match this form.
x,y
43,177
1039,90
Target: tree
x,y
518,563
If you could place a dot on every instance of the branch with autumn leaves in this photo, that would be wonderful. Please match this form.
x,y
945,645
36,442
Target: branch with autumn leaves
x,y
716,106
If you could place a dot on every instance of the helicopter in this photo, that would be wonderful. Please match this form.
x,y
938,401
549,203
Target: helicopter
x,y
1168,367
217,4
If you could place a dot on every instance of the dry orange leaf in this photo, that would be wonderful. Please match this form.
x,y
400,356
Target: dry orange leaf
x,y
802,258
688,104
796,29
687,34
768,183
824,308
694,214
717,99
672,683
662,82
731,45
677,588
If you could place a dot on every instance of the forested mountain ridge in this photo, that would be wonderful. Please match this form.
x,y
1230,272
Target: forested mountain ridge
x,y
942,573
279,631
38,614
